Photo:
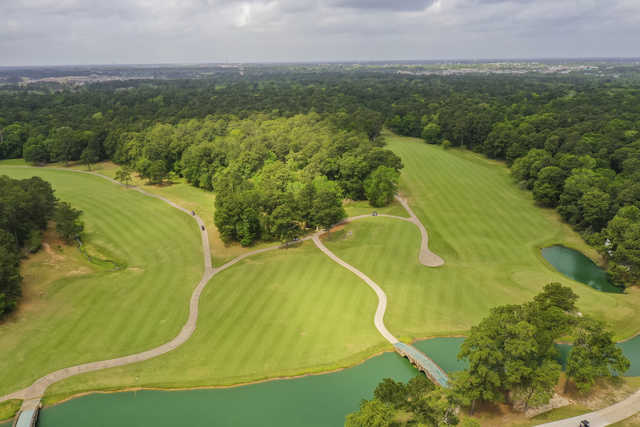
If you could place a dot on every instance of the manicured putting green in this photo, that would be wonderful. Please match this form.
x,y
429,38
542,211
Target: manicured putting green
x,y
106,314
281,313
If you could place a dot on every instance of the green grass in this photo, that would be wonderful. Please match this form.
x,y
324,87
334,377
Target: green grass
x,y
12,162
555,415
9,408
86,314
189,197
281,313
362,207
489,233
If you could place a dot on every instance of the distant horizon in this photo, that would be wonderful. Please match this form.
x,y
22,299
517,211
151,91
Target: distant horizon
x,y
341,62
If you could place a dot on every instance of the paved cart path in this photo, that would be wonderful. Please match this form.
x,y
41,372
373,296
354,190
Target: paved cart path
x,y
604,417
32,394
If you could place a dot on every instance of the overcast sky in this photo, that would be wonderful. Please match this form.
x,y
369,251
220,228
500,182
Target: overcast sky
x,y
39,32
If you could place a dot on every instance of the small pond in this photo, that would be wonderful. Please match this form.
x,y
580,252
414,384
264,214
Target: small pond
x,y
578,267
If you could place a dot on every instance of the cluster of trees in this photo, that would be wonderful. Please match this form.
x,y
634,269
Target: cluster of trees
x,y
512,357
419,401
274,177
26,206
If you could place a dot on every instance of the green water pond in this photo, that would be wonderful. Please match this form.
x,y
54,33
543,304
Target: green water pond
x,y
318,400
578,267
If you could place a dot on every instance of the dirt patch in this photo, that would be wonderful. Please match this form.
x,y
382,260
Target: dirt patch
x,y
52,254
606,392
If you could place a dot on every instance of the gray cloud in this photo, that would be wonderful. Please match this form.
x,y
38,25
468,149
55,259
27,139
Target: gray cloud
x,y
148,31
402,5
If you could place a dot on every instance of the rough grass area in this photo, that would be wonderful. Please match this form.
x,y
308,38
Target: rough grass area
x,y
282,313
489,233
9,409
73,312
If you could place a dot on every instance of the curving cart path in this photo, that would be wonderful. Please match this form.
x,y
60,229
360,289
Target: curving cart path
x,y
604,417
32,394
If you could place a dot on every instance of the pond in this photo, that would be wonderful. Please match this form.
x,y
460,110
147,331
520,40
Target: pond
x,y
578,267
317,400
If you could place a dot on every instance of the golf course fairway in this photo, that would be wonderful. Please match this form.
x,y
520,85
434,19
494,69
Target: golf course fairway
x,y
101,314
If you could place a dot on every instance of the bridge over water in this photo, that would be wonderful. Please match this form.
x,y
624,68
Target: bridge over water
x,y
28,415
424,364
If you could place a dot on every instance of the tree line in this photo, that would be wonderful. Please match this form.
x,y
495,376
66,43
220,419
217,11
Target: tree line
x,y
26,207
573,141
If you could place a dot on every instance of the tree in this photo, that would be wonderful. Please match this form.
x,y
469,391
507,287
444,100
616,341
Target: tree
x,y
9,273
623,245
381,186
327,206
498,141
64,145
391,392
283,223
68,224
123,175
431,133
596,207
12,139
511,352
372,413
548,186
157,172
89,157
35,151
438,408
594,354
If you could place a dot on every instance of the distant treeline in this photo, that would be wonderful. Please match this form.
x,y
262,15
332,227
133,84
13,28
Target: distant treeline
x,y
26,206
573,141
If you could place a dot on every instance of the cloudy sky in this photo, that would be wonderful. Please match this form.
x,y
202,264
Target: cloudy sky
x,y
39,32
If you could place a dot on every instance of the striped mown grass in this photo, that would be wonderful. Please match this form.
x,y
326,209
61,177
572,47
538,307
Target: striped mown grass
x,y
281,313
488,231
100,315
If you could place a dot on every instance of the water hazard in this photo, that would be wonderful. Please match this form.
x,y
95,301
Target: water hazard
x,y
319,400
578,267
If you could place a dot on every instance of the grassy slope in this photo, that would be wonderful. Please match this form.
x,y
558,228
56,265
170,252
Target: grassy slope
x,y
98,315
202,202
276,314
9,408
489,233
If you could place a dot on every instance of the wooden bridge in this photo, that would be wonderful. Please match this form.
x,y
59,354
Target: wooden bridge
x,y
421,361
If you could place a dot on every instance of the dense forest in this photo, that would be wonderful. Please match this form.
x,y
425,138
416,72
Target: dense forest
x,y
26,207
573,141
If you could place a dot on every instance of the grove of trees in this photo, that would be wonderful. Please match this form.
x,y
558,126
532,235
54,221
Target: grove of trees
x,y
26,207
512,356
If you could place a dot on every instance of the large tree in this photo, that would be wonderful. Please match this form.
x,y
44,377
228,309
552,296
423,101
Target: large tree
x,y
511,352
381,186
594,354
